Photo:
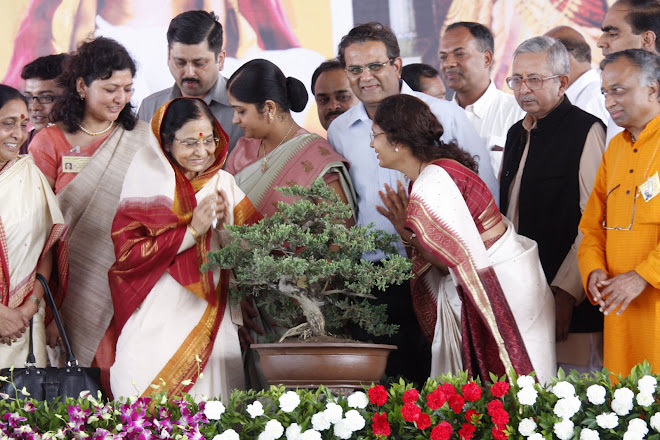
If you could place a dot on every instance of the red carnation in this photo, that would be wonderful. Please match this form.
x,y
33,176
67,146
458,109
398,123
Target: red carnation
x,y
471,416
500,417
498,433
410,412
378,395
410,396
493,406
380,425
499,389
447,389
441,432
456,403
436,399
467,431
423,422
471,391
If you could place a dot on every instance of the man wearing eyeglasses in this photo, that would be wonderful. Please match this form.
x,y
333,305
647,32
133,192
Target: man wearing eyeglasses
x,y
620,253
548,170
41,91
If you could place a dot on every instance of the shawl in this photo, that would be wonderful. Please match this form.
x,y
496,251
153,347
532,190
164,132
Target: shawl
x,y
156,205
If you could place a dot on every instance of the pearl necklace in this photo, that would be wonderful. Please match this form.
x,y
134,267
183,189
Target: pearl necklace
x,y
264,164
97,133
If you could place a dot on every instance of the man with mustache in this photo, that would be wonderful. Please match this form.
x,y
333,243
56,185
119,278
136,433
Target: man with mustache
x,y
548,170
332,91
466,57
195,58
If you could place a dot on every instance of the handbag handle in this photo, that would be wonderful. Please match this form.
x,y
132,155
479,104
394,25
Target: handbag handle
x,y
70,358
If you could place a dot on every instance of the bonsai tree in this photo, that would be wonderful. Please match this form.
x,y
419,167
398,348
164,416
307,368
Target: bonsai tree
x,y
304,259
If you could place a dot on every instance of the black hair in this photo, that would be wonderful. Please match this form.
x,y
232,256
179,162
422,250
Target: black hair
x,y
193,27
648,63
481,33
370,32
8,93
325,66
180,112
411,73
95,59
259,80
644,19
48,67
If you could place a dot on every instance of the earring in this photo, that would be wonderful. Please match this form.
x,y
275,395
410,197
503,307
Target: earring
x,y
81,97
396,149
270,117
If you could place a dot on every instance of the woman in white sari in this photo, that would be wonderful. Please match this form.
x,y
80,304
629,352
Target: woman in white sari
x,y
174,321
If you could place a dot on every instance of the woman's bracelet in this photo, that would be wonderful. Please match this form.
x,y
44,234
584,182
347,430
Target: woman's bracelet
x,y
194,233
35,300
408,243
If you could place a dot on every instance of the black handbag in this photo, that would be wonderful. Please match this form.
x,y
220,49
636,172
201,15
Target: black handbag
x,y
51,382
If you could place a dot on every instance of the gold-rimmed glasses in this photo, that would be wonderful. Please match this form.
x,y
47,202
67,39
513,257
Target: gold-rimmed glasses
x,y
632,218
356,71
192,143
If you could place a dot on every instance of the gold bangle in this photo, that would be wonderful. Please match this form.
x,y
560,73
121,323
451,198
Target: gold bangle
x,y
35,300
194,233
408,243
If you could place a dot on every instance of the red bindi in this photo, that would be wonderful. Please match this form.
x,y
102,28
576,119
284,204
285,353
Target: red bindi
x,y
22,116
201,135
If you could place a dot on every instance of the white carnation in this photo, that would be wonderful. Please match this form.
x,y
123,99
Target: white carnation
x,y
647,384
526,427
638,426
527,396
293,432
564,429
289,401
265,436
358,400
342,429
320,422
214,409
535,436
645,399
632,436
255,409
229,434
333,412
567,407
654,421
310,434
596,394
607,420
563,389
525,381
355,419
589,434
622,407
624,394
274,428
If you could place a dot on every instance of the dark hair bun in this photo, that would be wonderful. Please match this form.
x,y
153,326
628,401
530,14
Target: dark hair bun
x,y
297,94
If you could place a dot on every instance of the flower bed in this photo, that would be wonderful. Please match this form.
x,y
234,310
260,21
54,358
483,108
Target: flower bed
x,y
450,407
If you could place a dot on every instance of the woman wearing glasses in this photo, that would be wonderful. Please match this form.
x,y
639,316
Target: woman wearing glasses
x,y
84,157
275,150
496,295
173,319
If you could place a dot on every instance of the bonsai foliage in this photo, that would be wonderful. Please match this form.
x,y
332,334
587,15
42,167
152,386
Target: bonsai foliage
x,y
303,258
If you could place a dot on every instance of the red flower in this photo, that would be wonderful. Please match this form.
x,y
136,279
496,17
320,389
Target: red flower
x,y
471,416
498,433
493,406
410,396
456,403
423,422
380,425
447,389
500,417
441,432
499,389
471,391
436,399
410,412
467,431
378,395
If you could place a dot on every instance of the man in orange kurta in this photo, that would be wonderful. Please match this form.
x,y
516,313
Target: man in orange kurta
x,y
619,255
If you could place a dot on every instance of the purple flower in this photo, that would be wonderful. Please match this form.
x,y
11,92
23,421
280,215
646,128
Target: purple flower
x,y
13,419
29,407
102,434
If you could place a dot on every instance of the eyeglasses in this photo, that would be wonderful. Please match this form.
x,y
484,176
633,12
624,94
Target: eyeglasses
x,y
618,228
192,143
534,82
356,71
41,99
373,135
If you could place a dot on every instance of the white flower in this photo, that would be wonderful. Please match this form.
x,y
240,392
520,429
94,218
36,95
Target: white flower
x,y
289,401
535,436
358,400
564,429
563,389
607,420
596,394
645,399
527,395
622,407
214,409
624,394
265,436
638,426
229,434
632,436
255,409
654,421
320,422
589,434
342,429
567,407
310,434
525,381
526,427
274,429
356,420
647,384
333,412
293,432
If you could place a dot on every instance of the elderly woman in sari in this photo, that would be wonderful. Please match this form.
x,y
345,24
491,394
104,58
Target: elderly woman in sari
x,y
84,157
32,236
275,150
173,319
495,310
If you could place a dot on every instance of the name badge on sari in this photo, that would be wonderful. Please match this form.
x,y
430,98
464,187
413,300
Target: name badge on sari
x,y
650,188
74,164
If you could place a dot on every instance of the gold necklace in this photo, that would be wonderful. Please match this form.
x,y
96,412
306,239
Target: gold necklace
x,y
264,164
97,133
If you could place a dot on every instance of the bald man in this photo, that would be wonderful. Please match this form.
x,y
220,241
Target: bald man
x,y
583,80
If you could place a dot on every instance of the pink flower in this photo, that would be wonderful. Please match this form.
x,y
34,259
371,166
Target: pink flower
x,y
410,396
378,395
456,402
471,391
442,432
410,412
499,389
380,425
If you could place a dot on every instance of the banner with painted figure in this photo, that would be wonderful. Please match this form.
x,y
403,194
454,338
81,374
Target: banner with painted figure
x,y
297,35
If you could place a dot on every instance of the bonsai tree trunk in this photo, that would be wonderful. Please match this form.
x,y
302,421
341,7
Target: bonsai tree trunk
x,y
315,325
